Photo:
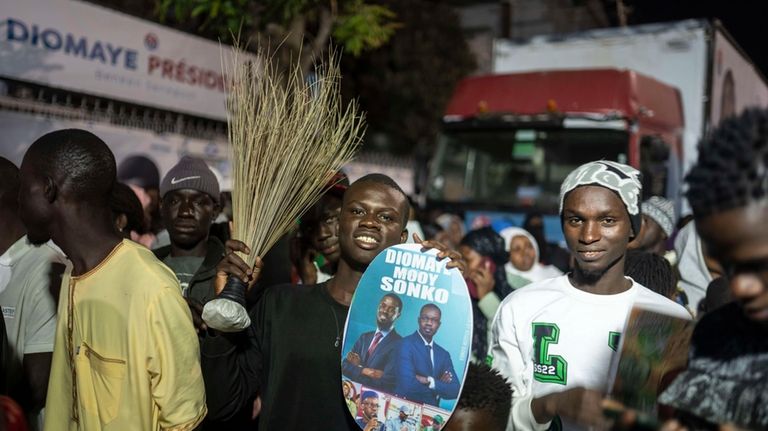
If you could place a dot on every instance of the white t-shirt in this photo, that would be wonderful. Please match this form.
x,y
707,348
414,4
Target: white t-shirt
x,y
550,336
28,305
26,299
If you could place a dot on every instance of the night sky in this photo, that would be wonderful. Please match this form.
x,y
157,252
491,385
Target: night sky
x,y
746,21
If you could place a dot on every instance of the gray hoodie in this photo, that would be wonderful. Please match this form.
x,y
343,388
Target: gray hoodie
x,y
694,275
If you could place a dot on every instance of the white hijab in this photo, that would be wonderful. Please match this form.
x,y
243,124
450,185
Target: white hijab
x,y
538,271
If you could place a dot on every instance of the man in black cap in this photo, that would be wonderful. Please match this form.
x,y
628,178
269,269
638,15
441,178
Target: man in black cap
x,y
189,197
189,204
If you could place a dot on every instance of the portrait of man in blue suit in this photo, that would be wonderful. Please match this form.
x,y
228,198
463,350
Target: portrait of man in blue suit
x,y
425,370
373,359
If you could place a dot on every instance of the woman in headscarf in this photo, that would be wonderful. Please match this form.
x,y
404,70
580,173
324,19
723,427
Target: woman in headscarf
x,y
523,266
483,250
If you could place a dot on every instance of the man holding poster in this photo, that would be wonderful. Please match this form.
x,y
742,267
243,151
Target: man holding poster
x,y
373,358
426,371
290,355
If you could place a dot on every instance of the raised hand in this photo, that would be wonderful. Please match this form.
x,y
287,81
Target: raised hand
x,y
456,260
483,279
232,264
372,425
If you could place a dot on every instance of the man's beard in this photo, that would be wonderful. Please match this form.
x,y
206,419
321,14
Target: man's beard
x,y
590,278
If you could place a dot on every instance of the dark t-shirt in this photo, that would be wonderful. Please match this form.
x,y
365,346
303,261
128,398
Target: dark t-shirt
x,y
291,355
185,268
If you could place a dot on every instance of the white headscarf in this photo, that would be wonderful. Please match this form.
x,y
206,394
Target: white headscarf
x,y
694,275
538,271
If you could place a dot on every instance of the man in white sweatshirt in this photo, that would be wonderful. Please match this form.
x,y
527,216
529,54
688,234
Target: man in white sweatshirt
x,y
554,339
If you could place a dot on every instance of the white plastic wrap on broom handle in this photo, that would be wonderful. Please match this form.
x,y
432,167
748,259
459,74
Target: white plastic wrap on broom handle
x,y
226,315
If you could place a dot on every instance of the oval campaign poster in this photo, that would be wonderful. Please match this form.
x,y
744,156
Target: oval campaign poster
x,y
407,342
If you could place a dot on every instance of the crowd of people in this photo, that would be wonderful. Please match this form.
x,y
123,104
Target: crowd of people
x,y
105,272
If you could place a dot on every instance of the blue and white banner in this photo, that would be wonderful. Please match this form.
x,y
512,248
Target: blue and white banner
x,y
86,48
407,340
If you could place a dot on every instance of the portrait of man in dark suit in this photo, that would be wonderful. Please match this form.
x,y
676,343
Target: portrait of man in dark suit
x,y
425,370
373,359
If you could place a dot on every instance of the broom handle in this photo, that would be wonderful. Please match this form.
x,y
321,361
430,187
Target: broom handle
x,y
234,290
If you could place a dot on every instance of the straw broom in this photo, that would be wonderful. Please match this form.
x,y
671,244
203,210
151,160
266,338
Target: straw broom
x,y
288,139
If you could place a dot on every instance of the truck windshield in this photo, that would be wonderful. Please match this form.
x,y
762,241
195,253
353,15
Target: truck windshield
x,y
516,167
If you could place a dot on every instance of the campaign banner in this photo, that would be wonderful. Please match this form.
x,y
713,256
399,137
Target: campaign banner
x,y
90,49
407,341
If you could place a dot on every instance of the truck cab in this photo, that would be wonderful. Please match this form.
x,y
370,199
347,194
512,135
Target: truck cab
x,y
508,141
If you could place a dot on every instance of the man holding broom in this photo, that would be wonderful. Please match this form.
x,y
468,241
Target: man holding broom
x,y
189,202
290,355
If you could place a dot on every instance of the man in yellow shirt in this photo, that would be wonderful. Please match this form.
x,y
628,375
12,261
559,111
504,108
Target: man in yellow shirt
x,y
126,355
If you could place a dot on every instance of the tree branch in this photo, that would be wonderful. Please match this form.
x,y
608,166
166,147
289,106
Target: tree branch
x,y
320,41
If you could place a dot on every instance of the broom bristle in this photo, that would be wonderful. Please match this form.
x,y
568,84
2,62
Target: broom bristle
x,y
288,139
